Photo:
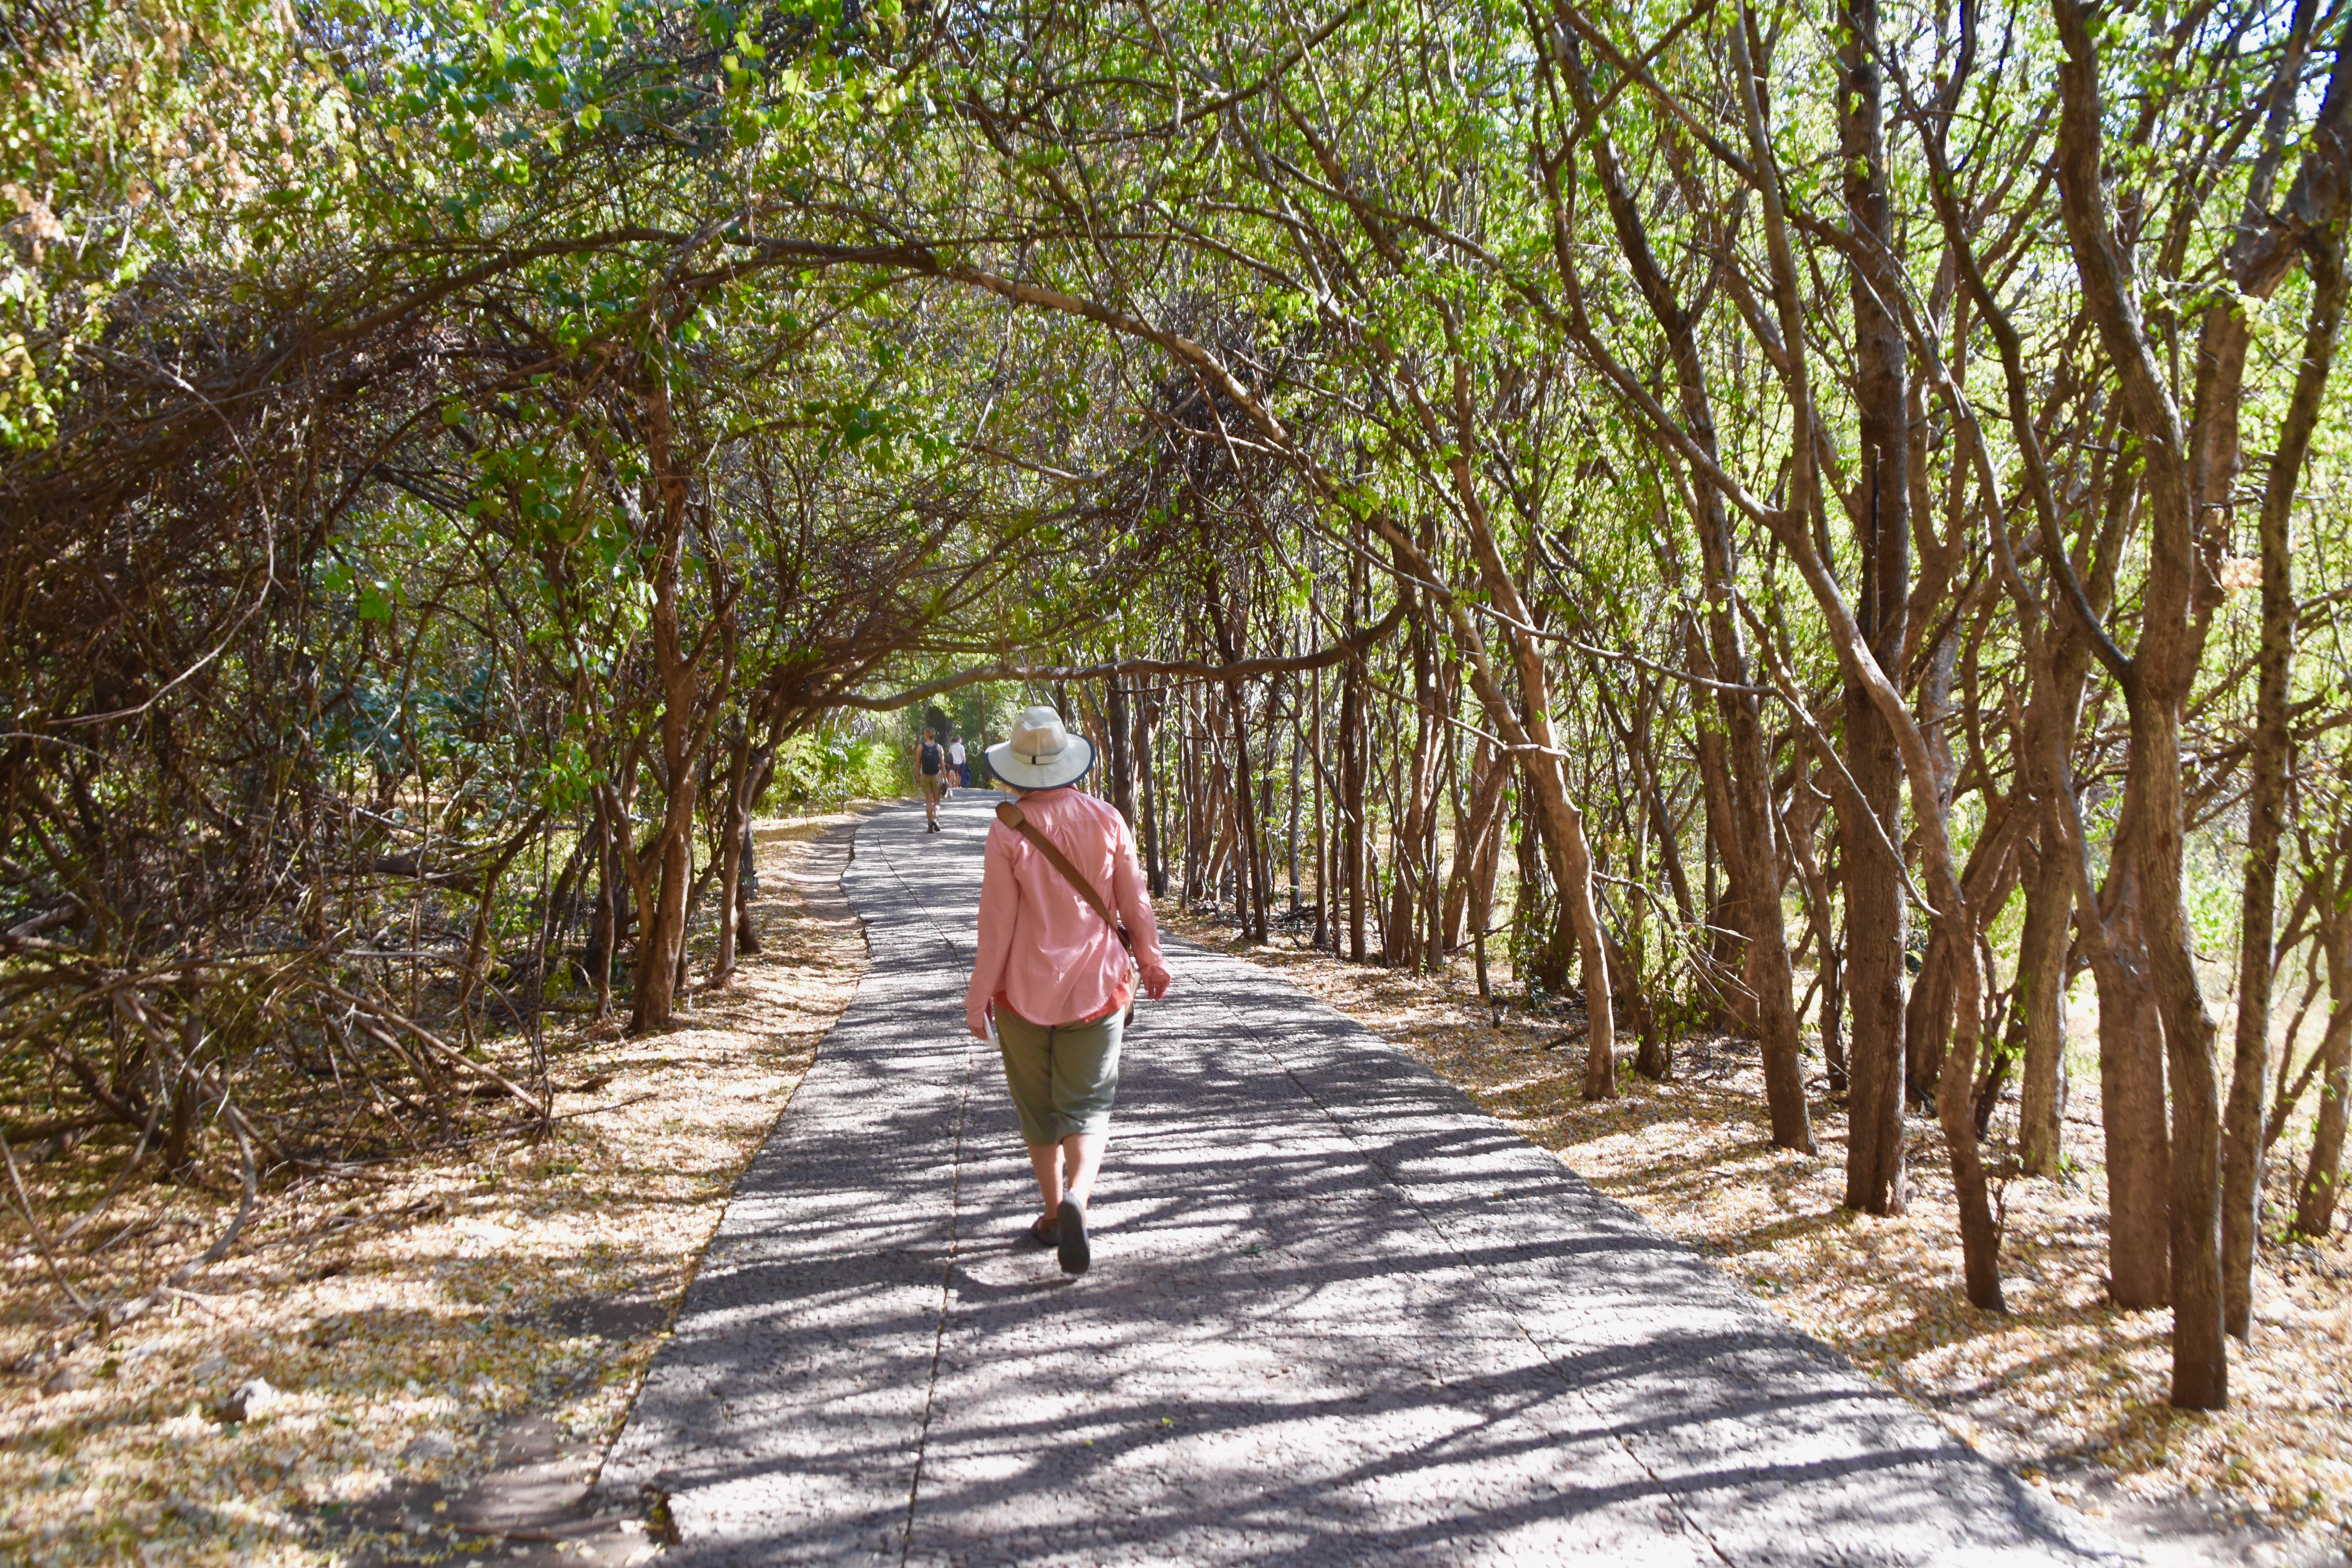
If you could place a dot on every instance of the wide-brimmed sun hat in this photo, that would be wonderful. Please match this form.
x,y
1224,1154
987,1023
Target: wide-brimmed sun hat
x,y
1041,753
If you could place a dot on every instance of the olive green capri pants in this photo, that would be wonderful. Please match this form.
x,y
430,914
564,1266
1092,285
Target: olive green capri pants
x,y
1063,1076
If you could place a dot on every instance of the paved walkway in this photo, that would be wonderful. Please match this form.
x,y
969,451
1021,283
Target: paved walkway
x,y
1337,1315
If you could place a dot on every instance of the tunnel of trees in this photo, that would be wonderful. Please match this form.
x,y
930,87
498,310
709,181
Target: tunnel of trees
x,y
1819,523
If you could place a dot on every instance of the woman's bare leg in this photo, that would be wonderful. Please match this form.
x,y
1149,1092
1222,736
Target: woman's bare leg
x,y
1085,1151
1046,1160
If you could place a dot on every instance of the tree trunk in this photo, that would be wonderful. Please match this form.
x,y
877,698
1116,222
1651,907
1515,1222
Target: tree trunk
x,y
1930,1016
2323,1177
730,863
1116,726
2199,1357
1249,861
1190,784
1805,814
1875,927
1482,898
1444,785
2156,688
1292,803
661,939
1576,893
1262,845
1326,913
1770,977
605,933
1351,802
2242,1171
1927,1016
1413,871
1741,811
2041,999
1727,943
1876,918
1154,869
1492,772
2138,1147
1927,1024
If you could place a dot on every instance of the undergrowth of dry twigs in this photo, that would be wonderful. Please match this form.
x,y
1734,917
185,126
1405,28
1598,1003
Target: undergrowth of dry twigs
x,y
2066,1388
396,1318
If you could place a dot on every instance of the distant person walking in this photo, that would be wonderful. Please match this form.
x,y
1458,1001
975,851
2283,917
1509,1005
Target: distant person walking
x,y
1054,974
958,762
929,759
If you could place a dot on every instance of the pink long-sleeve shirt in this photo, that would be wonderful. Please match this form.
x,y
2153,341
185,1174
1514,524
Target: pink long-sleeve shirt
x,y
1044,951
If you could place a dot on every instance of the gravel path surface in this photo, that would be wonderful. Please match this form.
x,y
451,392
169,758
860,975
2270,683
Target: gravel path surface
x,y
1336,1315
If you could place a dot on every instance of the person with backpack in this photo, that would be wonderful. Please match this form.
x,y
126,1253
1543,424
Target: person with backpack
x,y
1063,925
929,762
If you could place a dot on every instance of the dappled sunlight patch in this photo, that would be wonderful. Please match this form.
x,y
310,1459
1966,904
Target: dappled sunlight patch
x,y
2064,1387
395,1320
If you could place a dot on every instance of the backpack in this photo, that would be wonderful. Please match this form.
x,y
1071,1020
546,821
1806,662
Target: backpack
x,y
930,757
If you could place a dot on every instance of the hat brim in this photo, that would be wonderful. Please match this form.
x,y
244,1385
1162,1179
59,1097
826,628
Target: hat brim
x,y
1066,766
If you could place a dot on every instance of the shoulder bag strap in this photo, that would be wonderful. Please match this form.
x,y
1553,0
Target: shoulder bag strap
x,y
1010,814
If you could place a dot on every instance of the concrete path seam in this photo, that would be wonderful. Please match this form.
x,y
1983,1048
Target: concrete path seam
x,y
955,1236
947,1302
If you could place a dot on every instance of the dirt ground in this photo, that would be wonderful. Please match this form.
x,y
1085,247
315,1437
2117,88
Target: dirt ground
x,y
405,1325
2064,1388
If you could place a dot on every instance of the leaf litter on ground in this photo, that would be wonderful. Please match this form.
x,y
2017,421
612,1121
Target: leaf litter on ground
x,y
380,1328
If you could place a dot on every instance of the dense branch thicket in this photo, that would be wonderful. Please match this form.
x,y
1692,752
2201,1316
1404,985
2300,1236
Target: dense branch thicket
x,y
1817,524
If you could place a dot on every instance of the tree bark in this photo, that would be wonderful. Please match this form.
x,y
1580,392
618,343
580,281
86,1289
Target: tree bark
x,y
2042,998
1155,868
747,869
1927,1014
1878,921
1351,777
1116,727
1804,813
1492,772
1191,805
2241,1169
1326,913
730,863
606,925
2323,1176
1292,804
1726,940
2161,669
661,939
1412,872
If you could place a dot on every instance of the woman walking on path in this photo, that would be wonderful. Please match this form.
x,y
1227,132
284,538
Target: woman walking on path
x,y
1053,972
928,760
